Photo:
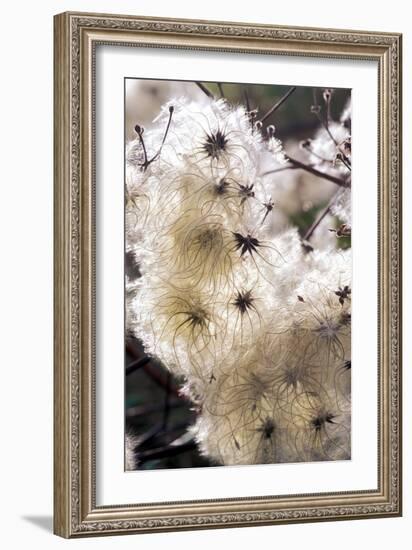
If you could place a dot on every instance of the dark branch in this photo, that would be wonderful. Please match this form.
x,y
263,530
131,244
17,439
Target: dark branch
x,y
167,451
140,410
246,98
278,103
315,172
166,410
136,365
276,170
324,213
160,379
205,90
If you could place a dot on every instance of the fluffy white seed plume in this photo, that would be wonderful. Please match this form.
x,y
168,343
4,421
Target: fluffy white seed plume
x,y
330,152
329,148
294,191
275,147
258,328
342,208
287,398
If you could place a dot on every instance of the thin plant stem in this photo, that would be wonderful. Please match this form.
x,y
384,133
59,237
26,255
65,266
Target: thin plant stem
x,y
310,169
167,451
246,98
140,410
136,365
160,380
322,216
205,90
278,103
276,170
167,400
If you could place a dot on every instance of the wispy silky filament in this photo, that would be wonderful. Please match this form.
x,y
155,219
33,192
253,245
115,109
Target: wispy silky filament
x,y
258,326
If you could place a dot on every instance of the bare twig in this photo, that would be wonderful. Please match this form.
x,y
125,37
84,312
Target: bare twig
x,y
310,169
315,98
156,374
325,125
318,220
205,90
161,380
278,103
166,451
246,99
167,400
276,170
150,434
346,161
136,365
316,112
140,410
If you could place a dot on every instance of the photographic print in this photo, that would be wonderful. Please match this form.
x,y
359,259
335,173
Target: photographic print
x,y
204,274
238,274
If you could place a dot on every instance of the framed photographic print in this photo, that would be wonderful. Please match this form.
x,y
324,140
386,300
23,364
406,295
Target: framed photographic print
x,y
227,274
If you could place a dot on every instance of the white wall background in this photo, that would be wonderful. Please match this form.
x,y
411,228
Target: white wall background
x,y
26,271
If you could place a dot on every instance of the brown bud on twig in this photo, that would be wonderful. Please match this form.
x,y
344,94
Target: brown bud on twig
x,y
343,230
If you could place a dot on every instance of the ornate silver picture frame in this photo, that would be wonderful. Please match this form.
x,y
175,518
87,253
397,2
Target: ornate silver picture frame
x,y
77,510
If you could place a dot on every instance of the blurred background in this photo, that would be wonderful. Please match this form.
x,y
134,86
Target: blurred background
x,y
157,417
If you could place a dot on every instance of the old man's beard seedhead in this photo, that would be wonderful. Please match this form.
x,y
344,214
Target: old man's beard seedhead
x,y
284,381
258,328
